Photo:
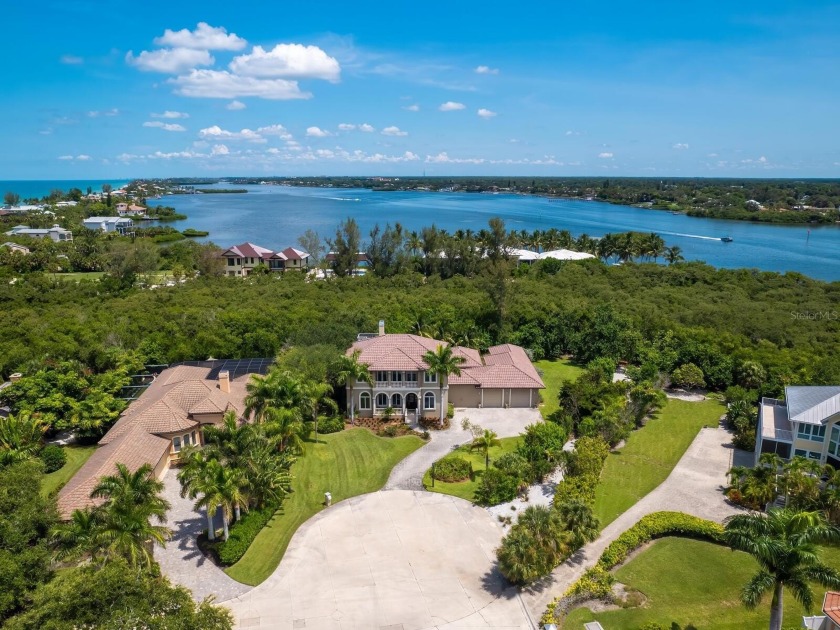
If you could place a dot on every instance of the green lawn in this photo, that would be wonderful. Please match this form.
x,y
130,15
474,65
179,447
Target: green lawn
x,y
553,374
76,456
75,276
693,584
650,454
466,489
347,464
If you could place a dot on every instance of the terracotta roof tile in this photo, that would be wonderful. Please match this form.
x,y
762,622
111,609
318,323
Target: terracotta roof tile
x,y
831,606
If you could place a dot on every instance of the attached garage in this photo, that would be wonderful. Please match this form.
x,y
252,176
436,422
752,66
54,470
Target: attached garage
x,y
465,395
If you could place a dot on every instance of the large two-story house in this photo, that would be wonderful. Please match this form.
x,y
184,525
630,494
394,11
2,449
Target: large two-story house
x,y
806,424
402,382
169,415
240,260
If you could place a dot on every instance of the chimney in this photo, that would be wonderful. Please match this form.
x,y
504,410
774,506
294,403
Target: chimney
x,y
381,327
224,381
14,378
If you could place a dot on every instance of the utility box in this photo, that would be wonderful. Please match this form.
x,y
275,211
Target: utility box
x,y
327,499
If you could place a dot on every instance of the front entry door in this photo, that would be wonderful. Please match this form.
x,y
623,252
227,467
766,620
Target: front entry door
x,y
411,402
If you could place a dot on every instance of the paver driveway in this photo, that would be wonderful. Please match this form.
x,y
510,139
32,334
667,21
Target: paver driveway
x,y
397,560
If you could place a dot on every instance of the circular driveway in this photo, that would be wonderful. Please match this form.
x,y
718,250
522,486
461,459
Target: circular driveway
x,y
392,560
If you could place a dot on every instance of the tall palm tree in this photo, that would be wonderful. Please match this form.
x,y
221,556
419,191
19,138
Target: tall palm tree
x,y
78,535
546,527
442,362
230,442
222,490
287,426
579,521
673,254
278,388
20,437
485,442
316,400
132,499
268,477
195,480
350,371
785,544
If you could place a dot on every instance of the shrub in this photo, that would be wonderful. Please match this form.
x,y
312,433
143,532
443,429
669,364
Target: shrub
x,y
432,423
496,487
331,425
53,457
542,447
515,465
452,469
583,470
242,534
450,411
657,525
533,547
391,430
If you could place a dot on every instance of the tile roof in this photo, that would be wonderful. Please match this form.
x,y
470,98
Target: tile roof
x,y
831,606
249,250
142,433
503,366
812,404
294,254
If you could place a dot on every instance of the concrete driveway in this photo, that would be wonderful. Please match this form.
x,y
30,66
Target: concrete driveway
x,y
398,560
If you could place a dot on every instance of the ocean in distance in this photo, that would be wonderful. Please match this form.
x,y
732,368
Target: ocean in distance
x,y
274,216
37,188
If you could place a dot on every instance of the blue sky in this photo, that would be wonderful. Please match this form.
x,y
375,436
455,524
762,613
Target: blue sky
x,y
119,89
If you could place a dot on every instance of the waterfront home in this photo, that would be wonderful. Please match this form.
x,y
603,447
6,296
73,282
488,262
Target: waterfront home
x,y
363,263
124,209
240,260
15,248
503,377
55,233
169,415
528,256
120,225
806,424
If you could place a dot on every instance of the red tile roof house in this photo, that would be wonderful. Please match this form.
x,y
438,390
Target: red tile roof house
x,y
241,259
504,377
831,614
169,415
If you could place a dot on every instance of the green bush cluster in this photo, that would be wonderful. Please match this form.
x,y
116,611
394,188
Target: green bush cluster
x,y
583,470
53,457
657,525
242,534
452,468
496,487
331,425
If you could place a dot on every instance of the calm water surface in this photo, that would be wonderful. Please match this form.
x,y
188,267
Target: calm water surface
x,y
274,216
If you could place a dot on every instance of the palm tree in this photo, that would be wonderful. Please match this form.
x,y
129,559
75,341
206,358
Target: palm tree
x,y
230,442
268,477
195,480
222,489
579,522
132,499
673,254
279,388
20,437
546,527
785,544
316,399
77,536
485,442
287,426
443,363
350,371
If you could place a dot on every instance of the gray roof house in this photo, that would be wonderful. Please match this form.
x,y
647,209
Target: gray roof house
x,y
121,225
56,233
805,424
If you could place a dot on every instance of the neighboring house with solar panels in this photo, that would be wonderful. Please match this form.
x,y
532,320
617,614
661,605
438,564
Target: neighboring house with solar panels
x,y
806,424
168,416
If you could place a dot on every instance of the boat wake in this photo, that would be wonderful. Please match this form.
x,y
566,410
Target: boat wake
x,y
705,238
344,198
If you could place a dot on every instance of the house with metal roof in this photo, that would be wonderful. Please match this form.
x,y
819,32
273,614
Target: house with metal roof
x,y
169,415
805,424
55,233
503,377
240,260
120,225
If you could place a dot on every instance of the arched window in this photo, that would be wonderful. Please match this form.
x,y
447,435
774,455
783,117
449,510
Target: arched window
x,y
382,400
428,400
364,400
396,401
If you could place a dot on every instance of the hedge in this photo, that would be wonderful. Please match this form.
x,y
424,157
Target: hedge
x,y
597,581
452,468
331,425
583,471
53,457
242,534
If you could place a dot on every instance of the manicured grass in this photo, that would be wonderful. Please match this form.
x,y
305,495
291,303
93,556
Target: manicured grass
x,y
693,584
466,489
75,276
553,375
76,456
650,454
346,464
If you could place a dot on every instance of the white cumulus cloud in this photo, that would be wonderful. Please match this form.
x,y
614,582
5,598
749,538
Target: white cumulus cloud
x,y
223,84
204,37
275,130
83,157
165,126
346,127
169,60
680,146
171,115
108,112
393,131
219,149
289,61
412,108
317,132
217,133
451,106
235,106
486,70
486,113
605,155
68,158
366,128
